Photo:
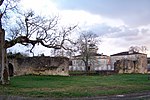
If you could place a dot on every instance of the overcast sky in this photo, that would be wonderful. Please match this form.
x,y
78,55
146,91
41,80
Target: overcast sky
x,y
119,23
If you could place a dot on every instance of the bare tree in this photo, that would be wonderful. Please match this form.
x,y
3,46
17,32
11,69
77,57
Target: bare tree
x,y
142,49
32,29
87,46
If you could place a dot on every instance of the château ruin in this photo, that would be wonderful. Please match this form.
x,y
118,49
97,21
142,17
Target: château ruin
x,y
43,65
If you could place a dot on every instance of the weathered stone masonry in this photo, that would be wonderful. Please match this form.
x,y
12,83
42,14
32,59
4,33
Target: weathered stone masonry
x,y
129,62
39,65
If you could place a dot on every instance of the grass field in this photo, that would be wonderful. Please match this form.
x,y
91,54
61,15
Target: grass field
x,y
75,86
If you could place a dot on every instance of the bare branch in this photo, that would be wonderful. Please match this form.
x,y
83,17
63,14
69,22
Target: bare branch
x,y
87,46
1,2
39,30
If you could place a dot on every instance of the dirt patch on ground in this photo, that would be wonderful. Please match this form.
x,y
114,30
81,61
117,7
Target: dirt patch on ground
x,y
132,96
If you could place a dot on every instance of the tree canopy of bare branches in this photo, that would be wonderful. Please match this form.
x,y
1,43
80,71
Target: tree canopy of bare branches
x,y
32,29
87,46
142,49
35,29
39,30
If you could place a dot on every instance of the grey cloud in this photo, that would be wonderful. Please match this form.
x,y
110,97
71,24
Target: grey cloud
x,y
123,36
131,37
133,12
103,29
114,32
126,32
145,30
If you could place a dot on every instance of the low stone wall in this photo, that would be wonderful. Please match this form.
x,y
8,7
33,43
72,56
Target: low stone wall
x,y
40,65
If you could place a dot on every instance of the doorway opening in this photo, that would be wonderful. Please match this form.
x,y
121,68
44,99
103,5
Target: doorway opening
x,y
11,70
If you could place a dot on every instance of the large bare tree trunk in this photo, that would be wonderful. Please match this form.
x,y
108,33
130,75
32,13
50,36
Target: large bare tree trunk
x,y
3,59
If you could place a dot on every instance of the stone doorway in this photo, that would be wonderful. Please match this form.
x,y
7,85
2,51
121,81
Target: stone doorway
x,y
11,70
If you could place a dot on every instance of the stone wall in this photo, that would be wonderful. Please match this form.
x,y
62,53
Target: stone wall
x,y
136,63
39,65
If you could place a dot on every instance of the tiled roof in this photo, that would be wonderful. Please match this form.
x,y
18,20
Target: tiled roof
x,y
126,53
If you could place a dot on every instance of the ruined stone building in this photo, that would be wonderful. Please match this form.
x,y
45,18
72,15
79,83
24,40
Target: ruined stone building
x,y
129,62
124,62
39,65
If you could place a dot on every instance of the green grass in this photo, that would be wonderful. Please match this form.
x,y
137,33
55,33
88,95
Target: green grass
x,y
75,86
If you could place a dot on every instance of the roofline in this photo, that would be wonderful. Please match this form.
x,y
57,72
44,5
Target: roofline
x,y
119,54
97,54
